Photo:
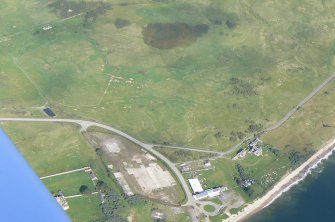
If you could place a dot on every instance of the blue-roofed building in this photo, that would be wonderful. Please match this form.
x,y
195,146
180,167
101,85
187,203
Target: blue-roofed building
x,y
23,196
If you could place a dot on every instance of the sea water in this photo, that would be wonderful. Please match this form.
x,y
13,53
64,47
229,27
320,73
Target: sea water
x,y
311,200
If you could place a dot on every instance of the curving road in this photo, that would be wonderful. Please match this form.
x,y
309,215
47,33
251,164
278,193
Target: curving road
x,y
288,115
149,147
200,150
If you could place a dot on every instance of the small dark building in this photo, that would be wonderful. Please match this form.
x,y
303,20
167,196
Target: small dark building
x,y
49,112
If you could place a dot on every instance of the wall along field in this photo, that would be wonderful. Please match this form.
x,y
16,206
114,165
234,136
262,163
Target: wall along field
x,y
55,148
195,73
228,69
52,148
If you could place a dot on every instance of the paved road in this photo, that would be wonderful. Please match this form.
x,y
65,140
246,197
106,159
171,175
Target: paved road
x,y
200,150
149,147
288,115
300,104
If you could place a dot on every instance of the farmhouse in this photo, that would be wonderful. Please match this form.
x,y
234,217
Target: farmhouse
x,y
253,148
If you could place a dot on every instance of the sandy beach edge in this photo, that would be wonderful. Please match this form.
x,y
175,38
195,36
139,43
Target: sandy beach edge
x,y
284,184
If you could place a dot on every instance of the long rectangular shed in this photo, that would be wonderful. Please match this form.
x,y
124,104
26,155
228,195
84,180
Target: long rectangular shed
x,y
195,185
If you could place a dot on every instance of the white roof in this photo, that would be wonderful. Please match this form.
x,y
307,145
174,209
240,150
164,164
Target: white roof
x,y
201,195
196,186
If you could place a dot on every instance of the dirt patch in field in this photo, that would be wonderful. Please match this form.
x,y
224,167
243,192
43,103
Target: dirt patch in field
x,y
170,35
120,23
152,177
112,146
89,9
137,170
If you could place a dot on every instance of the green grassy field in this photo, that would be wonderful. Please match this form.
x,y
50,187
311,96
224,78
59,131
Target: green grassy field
x,y
265,171
69,183
218,218
53,148
196,73
309,128
84,209
179,156
248,69
50,147
143,213
209,208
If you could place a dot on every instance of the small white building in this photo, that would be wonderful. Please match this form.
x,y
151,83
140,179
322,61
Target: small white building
x,y
47,27
195,185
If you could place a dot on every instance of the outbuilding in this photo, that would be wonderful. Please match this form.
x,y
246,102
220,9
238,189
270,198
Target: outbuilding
x,y
195,185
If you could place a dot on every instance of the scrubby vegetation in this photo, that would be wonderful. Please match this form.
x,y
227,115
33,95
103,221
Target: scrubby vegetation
x,y
179,155
227,62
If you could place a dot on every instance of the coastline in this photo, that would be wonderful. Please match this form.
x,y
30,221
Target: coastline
x,y
291,179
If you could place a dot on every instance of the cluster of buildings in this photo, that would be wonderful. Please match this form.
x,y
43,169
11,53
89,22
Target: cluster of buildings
x,y
200,193
253,148
247,182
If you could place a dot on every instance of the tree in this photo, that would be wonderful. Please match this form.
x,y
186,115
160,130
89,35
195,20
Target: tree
x,y
99,151
102,186
136,200
83,189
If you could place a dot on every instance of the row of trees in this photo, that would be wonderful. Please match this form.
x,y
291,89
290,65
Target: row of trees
x,y
241,177
116,203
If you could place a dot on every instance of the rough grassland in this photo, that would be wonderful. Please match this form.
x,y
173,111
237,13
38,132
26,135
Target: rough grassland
x,y
309,128
69,183
84,209
179,156
53,148
257,60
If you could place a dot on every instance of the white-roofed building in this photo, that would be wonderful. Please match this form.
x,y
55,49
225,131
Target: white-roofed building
x,y
210,193
201,195
196,186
